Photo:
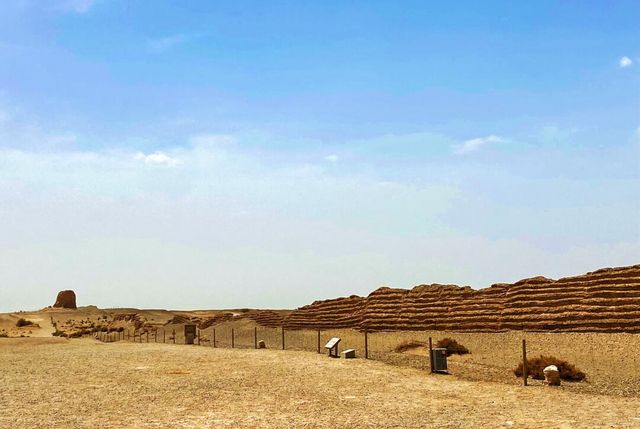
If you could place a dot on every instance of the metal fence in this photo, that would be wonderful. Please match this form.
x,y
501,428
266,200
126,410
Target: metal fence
x,y
611,361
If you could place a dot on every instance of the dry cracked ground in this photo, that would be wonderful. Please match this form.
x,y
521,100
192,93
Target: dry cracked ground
x,y
56,383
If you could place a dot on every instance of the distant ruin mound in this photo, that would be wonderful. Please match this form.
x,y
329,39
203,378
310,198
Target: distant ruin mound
x,y
267,318
66,299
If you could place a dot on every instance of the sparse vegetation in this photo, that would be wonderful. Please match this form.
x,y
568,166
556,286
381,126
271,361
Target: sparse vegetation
x,y
453,347
536,366
409,345
23,322
4,335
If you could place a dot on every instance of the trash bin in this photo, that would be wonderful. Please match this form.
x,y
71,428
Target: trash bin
x,y
439,357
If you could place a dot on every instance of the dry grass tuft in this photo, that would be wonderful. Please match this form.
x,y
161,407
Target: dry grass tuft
x,y
536,366
453,347
409,345
23,322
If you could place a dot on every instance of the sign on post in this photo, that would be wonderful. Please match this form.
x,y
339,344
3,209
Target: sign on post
x,y
332,346
189,334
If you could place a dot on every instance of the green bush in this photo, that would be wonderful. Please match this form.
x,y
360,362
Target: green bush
x,y
536,366
23,322
452,346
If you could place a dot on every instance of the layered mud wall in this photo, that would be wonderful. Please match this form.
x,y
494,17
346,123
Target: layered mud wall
x,y
329,314
606,300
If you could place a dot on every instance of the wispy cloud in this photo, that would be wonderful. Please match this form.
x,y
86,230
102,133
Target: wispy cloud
x,y
475,144
158,158
625,62
331,158
77,6
163,44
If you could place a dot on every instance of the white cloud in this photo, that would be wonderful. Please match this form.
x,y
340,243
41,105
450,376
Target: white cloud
x,y
331,158
636,137
158,158
625,62
474,145
77,6
239,220
163,44
212,140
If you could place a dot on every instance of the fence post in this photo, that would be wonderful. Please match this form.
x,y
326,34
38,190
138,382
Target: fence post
x,y
525,374
282,337
430,355
366,345
147,336
214,338
255,337
174,335
198,336
233,343
164,335
318,340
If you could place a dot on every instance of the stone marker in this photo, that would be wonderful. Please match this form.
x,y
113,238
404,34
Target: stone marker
x,y
261,345
552,375
349,354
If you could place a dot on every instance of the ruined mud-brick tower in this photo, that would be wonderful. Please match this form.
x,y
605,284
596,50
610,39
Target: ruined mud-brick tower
x,y
66,299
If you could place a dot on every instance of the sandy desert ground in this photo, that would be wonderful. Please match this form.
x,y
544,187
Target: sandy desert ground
x,y
82,383
610,360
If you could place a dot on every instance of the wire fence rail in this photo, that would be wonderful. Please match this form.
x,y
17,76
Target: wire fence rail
x,y
610,361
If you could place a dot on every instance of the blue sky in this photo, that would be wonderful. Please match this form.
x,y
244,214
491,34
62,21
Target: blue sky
x,y
253,154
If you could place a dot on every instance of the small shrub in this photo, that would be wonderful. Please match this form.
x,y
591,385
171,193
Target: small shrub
x,y
453,347
76,334
23,322
4,335
409,345
57,333
536,366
